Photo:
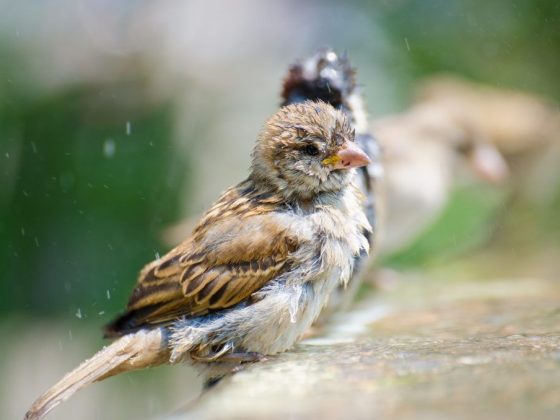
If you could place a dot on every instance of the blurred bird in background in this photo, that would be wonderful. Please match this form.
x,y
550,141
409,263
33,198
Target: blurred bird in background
x,y
523,127
425,150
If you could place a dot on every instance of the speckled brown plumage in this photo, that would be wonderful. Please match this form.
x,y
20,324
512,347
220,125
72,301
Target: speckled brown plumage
x,y
196,278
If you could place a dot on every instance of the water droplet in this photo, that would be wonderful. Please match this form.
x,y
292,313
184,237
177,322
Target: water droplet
x,y
294,305
101,313
407,44
331,56
109,148
108,295
79,313
128,128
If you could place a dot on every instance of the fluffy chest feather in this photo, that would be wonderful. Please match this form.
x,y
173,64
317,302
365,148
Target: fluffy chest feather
x,y
340,225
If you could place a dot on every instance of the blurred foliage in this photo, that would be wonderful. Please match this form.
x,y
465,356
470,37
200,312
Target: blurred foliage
x,y
469,221
503,43
92,189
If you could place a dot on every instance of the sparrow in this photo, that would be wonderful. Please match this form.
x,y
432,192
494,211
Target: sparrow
x,y
258,267
328,76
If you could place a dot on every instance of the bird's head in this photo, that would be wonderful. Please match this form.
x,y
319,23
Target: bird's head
x,y
306,149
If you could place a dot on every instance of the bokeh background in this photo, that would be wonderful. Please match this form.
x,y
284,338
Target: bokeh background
x,y
119,118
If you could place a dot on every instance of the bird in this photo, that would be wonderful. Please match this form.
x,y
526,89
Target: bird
x,y
256,270
329,76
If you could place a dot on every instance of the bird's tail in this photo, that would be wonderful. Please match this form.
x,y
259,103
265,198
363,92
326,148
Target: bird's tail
x,y
133,351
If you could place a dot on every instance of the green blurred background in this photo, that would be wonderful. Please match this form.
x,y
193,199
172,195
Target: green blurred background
x,y
119,118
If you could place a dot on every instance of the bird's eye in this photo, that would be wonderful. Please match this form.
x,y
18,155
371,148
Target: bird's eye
x,y
311,150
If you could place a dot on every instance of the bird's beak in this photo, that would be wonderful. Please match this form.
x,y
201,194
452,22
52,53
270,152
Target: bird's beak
x,y
350,156
488,163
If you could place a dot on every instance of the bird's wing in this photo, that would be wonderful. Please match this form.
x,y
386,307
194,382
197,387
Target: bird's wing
x,y
238,246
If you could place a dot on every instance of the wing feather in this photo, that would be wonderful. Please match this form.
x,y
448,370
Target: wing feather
x,y
236,249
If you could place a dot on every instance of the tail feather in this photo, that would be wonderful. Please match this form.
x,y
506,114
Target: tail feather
x,y
131,352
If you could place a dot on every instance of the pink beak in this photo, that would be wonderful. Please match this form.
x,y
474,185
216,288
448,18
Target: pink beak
x,y
350,156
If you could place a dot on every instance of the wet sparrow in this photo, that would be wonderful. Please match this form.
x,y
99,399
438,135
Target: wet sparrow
x,y
258,267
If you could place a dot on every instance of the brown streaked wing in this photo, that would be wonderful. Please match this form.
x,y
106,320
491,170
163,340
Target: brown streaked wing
x,y
235,250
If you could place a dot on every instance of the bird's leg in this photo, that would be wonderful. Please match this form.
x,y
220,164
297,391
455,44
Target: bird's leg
x,y
223,356
242,357
211,356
